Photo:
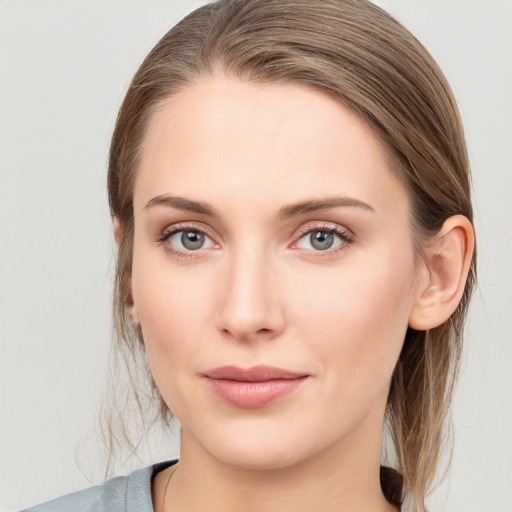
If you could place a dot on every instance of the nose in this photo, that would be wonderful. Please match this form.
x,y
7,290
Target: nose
x,y
252,305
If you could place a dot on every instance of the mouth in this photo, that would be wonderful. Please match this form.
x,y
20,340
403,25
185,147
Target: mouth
x,y
253,387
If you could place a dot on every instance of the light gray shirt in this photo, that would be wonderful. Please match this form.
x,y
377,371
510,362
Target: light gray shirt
x,y
130,493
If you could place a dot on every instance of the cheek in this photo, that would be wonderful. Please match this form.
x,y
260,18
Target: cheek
x,y
361,315
348,321
174,312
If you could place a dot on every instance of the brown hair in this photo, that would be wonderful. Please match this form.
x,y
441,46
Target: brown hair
x,y
358,54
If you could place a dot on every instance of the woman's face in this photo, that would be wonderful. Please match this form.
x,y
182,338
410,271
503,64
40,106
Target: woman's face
x,y
270,232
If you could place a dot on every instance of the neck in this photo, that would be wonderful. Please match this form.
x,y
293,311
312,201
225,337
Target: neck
x,y
341,478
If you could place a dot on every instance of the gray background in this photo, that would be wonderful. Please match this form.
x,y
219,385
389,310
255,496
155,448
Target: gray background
x,y
64,66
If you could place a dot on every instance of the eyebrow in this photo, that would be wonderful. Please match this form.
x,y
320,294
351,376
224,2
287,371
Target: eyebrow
x,y
321,204
182,203
286,212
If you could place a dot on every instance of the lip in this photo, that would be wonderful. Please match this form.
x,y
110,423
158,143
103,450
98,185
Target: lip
x,y
254,387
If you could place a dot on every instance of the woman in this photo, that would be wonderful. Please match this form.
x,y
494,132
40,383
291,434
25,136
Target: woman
x,y
290,192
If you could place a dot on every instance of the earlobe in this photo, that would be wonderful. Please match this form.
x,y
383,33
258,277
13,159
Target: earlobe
x,y
448,260
118,236
118,232
134,314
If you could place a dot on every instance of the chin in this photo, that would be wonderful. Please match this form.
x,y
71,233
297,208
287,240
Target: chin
x,y
256,459
256,449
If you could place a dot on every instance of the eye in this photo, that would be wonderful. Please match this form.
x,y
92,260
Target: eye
x,y
323,239
187,240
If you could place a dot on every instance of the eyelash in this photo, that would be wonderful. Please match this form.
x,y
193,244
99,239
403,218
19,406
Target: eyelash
x,y
168,232
344,235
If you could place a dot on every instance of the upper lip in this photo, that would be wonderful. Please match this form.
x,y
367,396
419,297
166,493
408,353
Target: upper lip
x,y
253,374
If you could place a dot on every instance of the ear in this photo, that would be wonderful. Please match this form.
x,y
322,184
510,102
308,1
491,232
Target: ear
x,y
118,236
118,232
448,260
134,314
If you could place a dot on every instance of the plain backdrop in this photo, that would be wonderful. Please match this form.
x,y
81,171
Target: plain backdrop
x,y
64,66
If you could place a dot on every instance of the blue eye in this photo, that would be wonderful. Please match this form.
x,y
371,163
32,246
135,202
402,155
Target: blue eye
x,y
188,240
322,239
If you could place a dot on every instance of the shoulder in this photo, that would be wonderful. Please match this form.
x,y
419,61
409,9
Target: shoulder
x,y
120,494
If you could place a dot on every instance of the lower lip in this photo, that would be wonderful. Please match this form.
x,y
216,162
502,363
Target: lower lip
x,y
251,395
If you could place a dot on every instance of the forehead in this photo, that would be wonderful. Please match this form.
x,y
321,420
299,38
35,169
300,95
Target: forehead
x,y
226,139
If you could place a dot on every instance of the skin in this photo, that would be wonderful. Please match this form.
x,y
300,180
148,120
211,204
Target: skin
x,y
258,292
